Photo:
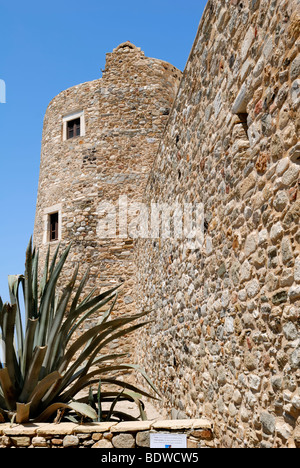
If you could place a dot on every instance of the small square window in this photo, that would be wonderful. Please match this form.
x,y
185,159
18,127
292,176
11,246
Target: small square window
x,y
53,227
73,125
73,128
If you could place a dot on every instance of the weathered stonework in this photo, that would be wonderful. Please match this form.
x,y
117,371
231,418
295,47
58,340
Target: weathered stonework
x,y
225,338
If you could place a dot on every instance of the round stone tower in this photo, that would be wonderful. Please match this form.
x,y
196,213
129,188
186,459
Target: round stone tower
x,y
99,142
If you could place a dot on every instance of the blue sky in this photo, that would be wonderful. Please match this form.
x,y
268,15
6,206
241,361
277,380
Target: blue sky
x,y
46,47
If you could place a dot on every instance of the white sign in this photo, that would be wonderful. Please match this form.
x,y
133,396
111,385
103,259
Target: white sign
x,y
2,92
159,440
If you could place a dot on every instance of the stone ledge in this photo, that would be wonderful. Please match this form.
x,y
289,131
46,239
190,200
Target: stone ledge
x,y
132,426
56,429
181,424
131,434
94,427
22,430
48,429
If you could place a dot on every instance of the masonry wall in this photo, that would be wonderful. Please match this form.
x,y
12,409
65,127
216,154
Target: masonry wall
x,y
125,113
105,435
225,339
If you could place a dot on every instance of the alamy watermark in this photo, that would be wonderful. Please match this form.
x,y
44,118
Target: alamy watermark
x,y
2,92
123,219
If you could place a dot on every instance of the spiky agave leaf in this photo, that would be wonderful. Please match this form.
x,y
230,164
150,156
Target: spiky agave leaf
x,y
41,372
113,398
81,408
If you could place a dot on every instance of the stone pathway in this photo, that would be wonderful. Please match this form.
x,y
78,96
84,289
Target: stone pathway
x,y
132,409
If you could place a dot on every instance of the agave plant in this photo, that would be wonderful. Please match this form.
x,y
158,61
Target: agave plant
x,y
44,364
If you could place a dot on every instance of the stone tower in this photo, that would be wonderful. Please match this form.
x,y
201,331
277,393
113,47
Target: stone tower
x,y
99,143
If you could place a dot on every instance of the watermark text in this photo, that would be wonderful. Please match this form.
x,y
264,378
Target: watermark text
x,y
122,219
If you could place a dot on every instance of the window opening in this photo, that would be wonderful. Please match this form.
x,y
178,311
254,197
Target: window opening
x,y
53,225
243,120
73,128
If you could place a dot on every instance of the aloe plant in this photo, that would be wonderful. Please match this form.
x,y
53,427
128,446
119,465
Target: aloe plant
x,y
43,364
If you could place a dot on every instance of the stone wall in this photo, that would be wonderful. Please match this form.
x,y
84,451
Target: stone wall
x,y
107,435
225,339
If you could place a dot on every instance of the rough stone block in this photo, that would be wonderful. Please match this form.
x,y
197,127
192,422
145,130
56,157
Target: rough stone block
x,y
39,442
21,441
104,444
268,423
143,439
123,441
70,441
247,42
240,104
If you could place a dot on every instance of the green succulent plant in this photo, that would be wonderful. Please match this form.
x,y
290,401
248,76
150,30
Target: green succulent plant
x,y
44,364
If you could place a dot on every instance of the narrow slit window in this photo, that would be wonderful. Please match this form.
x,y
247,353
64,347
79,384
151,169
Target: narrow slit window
x,y
73,128
243,120
53,225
